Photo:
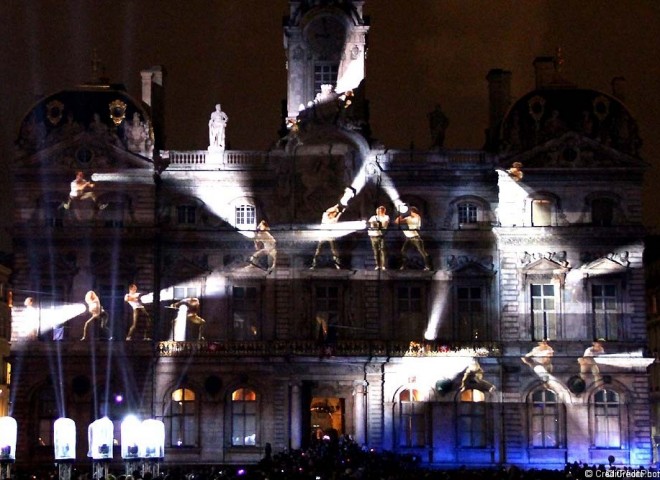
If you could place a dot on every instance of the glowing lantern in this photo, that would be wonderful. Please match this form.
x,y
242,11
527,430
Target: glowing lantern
x,y
8,434
64,430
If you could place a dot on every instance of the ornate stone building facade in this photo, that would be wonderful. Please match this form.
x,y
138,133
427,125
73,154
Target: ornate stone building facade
x,y
494,313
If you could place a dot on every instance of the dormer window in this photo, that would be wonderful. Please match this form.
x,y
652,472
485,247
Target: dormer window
x,y
602,212
542,212
186,214
246,217
467,213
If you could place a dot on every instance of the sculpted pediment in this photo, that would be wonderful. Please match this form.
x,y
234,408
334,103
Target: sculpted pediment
x,y
89,151
573,150
545,266
178,268
604,266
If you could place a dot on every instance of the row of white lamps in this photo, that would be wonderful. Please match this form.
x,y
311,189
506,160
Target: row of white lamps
x,y
140,440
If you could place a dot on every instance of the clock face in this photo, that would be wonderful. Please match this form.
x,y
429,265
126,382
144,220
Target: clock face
x,y
326,35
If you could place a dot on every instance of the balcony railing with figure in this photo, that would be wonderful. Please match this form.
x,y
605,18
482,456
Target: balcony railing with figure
x,y
344,348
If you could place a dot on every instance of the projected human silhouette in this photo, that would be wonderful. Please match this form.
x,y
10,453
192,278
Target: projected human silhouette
x,y
82,189
133,299
94,307
473,378
330,217
539,358
265,246
587,362
376,227
413,221
189,307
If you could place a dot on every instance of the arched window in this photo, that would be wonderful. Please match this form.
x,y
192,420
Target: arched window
x,y
412,419
183,418
46,415
472,420
606,419
546,420
243,417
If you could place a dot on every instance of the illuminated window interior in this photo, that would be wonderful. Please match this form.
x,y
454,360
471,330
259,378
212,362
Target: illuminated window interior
x,y
327,417
412,419
243,417
183,418
472,422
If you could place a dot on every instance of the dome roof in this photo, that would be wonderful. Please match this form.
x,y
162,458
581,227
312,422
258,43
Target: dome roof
x,y
547,113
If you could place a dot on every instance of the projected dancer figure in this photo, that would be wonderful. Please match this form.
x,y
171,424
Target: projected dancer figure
x,y
81,189
94,307
189,307
473,378
377,225
133,299
265,246
414,222
330,217
540,358
588,363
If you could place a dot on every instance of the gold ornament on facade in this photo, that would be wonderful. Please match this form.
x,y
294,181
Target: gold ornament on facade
x,y
54,112
117,111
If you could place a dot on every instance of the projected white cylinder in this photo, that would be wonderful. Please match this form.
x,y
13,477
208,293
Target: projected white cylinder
x,y
100,437
64,435
130,438
152,445
8,434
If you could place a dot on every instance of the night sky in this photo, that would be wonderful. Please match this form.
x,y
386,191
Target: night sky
x,y
421,52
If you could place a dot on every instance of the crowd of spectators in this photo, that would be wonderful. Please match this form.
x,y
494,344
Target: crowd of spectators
x,y
343,459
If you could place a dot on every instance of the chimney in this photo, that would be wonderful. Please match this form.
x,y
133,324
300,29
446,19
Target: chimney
x,y
619,88
153,95
499,96
545,71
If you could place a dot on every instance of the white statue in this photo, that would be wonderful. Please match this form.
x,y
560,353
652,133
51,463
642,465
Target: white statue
x,y
137,134
217,125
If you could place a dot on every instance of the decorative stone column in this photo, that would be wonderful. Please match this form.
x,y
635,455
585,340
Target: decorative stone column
x,y
296,417
359,412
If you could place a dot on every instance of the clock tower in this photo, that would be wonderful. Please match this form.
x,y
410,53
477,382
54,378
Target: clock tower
x,y
325,44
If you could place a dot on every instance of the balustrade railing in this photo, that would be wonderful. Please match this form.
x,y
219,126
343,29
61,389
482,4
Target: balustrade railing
x,y
345,348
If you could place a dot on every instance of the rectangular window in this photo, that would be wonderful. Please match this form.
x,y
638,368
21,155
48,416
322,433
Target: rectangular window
x,y
409,299
186,214
541,213
113,215
53,214
544,312
186,292
470,313
245,216
605,311
325,74
472,425
607,427
245,303
602,212
412,424
467,213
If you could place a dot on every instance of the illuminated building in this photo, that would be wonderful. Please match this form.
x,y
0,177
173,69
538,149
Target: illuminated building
x,y
522,343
